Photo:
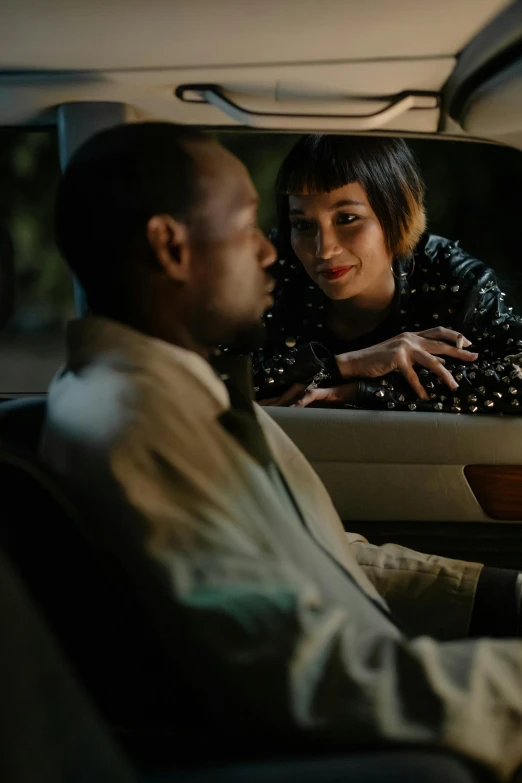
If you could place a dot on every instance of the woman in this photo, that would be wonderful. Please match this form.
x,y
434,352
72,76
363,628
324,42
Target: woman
x,y
366,302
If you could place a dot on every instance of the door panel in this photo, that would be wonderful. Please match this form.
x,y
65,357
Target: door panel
x,y
400,477
382,466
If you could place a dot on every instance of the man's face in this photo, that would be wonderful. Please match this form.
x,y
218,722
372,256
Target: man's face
x,y
230,286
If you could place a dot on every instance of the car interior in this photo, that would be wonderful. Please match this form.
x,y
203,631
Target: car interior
x,y
451,485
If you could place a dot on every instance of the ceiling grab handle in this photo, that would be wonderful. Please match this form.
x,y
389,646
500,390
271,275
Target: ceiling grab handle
x,y
399,105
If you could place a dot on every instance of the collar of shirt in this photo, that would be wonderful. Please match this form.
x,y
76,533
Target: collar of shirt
x,y
227,378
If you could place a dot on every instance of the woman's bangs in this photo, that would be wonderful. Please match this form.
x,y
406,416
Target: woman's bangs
x,y
312,175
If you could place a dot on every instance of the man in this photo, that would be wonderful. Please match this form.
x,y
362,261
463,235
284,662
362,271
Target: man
x,y
146,423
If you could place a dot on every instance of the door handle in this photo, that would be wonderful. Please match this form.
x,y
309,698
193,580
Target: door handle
x,y
399,104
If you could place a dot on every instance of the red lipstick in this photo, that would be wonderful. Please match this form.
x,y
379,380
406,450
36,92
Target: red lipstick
x,y
335,272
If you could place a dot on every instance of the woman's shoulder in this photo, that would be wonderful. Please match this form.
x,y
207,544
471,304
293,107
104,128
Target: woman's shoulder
x,y
437,256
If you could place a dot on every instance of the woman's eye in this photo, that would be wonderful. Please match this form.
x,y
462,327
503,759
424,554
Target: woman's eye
x,y
343,219
301,225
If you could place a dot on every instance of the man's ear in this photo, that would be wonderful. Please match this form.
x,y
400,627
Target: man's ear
x,y
168,239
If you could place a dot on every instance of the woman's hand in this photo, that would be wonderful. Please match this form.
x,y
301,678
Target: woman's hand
x,y
299,396
403,352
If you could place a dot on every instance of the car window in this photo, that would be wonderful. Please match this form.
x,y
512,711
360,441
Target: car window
x,y
31,341
474,194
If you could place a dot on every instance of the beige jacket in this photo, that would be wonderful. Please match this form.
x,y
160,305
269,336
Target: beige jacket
x,y
137,420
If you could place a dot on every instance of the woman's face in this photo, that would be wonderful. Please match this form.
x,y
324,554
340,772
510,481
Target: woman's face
x,y
339,241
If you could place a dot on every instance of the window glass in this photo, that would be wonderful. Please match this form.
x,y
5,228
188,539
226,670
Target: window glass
x,y
31,341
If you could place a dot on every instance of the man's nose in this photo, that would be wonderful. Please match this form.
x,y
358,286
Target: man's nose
x,y
268,253
326,244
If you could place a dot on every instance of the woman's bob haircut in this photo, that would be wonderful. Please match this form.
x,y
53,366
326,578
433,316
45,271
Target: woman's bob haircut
x,y
384,167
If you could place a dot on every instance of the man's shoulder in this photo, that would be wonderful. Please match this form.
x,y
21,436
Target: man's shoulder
x,y
93,403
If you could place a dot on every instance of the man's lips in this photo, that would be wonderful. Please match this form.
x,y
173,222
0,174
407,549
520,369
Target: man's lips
x,y
335,272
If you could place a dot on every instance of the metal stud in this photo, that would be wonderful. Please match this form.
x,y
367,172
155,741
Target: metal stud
x,y
497,394
489,403
280,370
473,409
391,405
435,315
290,342
471,376
438,406
489,373
455,288
290,360
412,406
472,398
270,380
425,288
515,403
379,393
506,379
402,398
481,390
512,390
459,376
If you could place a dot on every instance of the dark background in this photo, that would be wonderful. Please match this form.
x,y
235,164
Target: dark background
x,y
473,195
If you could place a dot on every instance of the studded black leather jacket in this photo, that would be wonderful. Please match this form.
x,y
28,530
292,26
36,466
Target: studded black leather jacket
x,y
444,287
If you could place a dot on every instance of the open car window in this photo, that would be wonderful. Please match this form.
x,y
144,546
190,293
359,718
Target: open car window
x,y
473,194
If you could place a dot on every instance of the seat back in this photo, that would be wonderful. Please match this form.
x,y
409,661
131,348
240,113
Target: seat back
x,y
21,422
102,602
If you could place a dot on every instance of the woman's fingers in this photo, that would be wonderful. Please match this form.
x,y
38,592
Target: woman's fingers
x,y
413,379
442,333
335,394
290,395
268,402
438,347
431,363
